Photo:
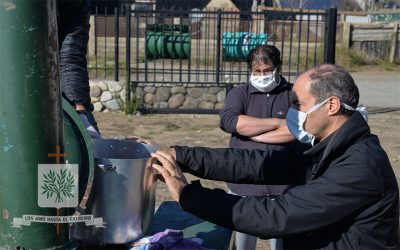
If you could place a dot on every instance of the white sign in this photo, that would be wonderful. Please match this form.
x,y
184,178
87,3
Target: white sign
x,y
58,185
88,219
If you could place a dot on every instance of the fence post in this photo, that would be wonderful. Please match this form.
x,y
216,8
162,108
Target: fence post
x,y
218,65
128,53
346,35
116,44
392,55
330,35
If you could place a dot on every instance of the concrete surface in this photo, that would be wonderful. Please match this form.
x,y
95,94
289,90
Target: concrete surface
x,y
378,89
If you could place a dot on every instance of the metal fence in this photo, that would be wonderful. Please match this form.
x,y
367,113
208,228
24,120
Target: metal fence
x,y
203,46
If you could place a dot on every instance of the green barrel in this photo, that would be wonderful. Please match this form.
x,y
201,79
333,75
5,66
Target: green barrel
x,y
31,122
151,44
181,45
178,45
161,49
236,46
249,42
167,41
170,38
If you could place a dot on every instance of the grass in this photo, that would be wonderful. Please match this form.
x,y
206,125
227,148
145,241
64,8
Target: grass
x,y
171,127
131,106
105,67
388,66
349,59
150,135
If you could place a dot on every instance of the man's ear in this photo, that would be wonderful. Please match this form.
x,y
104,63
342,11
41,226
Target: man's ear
x,y
334,106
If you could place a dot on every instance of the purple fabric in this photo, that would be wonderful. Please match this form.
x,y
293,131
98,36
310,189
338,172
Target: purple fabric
x,y
168,239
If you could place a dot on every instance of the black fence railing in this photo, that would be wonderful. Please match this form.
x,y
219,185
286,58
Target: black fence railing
x,y
203,47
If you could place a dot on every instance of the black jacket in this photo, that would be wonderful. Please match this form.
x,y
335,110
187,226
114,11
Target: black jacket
x,y
350,199
73,35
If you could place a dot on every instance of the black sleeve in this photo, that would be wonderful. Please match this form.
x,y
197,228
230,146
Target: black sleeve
x,y
73,29
233,107
245,166
318,205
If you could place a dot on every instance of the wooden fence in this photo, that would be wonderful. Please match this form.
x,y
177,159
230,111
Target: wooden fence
x,y
380,40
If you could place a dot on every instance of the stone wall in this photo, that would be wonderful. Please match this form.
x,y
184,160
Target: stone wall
x,y
110,96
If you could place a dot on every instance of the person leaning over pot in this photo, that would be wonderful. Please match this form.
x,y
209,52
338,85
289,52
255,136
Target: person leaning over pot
x,y
254,114
346,194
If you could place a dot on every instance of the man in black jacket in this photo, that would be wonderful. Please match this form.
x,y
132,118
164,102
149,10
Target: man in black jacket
x,y
73,35
347,196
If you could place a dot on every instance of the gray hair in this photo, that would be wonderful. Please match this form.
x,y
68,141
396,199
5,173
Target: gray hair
x,y
332,80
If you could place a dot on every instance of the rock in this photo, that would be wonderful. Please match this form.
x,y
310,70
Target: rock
x,y
114,87
106,111
147,106
206,105
106,96
214,90
176,100
112,105
98,106
94,99
208,97
123,95
150,89
190,103
219,106
195,92
116,95
178,89
103,86
221,96
163,94
161,105
95,91
149,98
139,93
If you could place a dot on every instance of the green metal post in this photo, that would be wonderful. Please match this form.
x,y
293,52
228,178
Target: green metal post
x,y
30,119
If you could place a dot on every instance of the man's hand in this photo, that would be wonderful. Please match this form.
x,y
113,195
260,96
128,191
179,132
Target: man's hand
x,y
171,173
80,107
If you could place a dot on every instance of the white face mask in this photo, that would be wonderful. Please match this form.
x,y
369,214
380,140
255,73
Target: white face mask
x,y
265,83
295,121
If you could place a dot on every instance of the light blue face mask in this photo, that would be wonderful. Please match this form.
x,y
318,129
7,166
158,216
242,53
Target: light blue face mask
x,y
295,121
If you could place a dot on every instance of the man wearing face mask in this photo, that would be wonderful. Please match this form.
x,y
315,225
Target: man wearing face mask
x,y
346,194
254,114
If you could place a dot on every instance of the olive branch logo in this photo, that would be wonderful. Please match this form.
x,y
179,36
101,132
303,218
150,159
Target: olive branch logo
x,y
60,184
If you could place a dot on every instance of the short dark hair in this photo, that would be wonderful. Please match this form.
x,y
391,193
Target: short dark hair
x,y
332,80
265,53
